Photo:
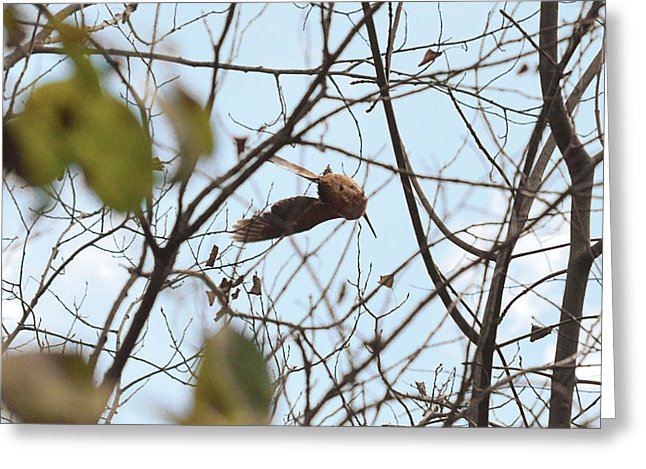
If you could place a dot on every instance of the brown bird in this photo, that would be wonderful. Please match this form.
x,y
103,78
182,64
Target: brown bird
x,y
339,197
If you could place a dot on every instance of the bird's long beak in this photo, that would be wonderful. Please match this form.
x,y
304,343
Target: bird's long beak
x,y
365,215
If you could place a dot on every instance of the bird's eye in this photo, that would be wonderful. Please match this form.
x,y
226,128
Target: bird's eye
x,y
341,187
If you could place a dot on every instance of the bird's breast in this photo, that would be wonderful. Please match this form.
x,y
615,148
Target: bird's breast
x,y
343,194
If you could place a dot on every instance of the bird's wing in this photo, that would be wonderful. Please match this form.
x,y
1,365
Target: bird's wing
x,y
294,168
286,217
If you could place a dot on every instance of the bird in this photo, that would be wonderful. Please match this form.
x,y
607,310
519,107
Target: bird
x,y
339,196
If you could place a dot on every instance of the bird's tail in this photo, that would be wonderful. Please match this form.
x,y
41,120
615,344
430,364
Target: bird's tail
x,y
294,168
286,217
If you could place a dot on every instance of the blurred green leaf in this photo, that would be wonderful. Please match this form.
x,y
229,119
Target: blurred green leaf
x,y
74,39
41,131
47,388
14,32
192,127
72,122
115,153
233,385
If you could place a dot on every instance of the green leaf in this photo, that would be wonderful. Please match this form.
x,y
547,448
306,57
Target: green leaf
x,y
14,32
71,122
192,127
40,131
75,122
233,385
115,153
47,388
74,40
